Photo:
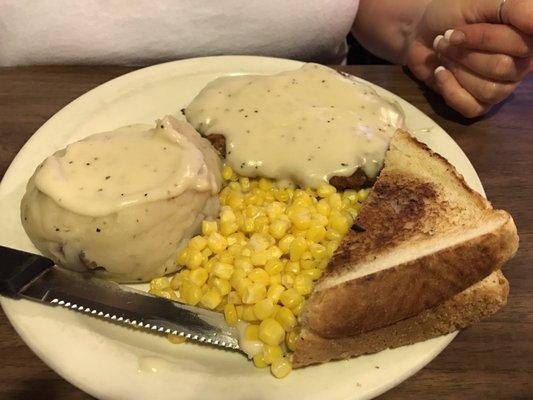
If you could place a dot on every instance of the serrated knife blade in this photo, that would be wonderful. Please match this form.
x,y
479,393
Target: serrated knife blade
x,y
33,277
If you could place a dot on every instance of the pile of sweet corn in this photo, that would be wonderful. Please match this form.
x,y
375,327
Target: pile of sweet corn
x,y
260,259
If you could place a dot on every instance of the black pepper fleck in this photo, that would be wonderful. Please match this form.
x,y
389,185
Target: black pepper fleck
x,y
88,163
183,111
146,194
107,177
70,162
57,229
100,190
98,229
162,126
344,164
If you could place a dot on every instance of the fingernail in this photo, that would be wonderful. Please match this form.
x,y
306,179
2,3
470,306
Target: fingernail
x,y
439,69
453,36
438,76
436,41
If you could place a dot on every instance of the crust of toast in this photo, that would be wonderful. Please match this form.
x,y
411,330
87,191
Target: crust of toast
x,y
438,235
469,306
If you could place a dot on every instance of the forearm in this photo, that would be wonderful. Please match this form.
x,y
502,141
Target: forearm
x,y
385,27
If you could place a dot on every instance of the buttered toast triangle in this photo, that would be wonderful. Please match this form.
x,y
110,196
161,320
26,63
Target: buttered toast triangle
x,y
422,237
466,308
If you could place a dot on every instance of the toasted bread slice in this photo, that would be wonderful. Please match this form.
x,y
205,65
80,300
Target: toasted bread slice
x,y
422,237
469,306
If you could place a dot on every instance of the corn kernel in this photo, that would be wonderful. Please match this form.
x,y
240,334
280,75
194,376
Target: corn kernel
x,y
286,318
273,266
272,353
216,242
292,267
265,184
222,285
166,293
334,235
230,314
190,293
335,201
275,279
199,276
274,292
274,252
362,195
316,233
209,227
260,257
323,207
240,310
271,332
227,172
176,281
297,310
285,243
300,217
281,368
211,299
248,314
291,339
235,201
338,222
303,284
313,273
253,293
227,228
259,360
197,243
325,190
264,309
290,298
259,242
318,251
331,246
182,257
251,332
194,260
234,298
259,275
159,283
274,210
176,339
279,228
287,279
297,247
222,270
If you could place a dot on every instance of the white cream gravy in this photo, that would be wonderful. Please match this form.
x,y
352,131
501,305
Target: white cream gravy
x,y
108,171
305,125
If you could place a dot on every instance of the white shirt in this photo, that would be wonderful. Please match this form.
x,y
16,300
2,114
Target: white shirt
x,y
151,31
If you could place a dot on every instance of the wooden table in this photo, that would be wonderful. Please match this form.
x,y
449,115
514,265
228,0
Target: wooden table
x,y
491,360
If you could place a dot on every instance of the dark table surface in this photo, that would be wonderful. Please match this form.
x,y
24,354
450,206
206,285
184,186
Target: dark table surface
x,y
491,360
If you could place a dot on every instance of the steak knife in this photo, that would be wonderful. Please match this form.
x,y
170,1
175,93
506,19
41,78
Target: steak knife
x,y
33,277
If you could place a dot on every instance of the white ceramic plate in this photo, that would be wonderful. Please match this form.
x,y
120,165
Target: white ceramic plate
x,y
112,362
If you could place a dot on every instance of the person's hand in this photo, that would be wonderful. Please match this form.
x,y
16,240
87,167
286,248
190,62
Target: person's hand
x,y
473,52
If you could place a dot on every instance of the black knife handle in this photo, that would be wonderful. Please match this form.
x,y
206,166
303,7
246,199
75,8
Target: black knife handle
x,y
18,268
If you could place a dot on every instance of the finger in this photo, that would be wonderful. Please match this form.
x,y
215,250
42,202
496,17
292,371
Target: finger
x,y
500,67
456,96
421,60
492,38
518,13
484,90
